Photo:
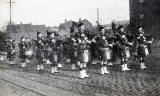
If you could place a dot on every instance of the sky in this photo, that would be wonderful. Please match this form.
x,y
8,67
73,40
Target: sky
x,y
54,12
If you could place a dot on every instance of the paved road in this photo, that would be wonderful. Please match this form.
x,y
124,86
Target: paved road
x,y
132,83
10,89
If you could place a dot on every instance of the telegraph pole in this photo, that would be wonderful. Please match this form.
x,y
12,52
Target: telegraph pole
x,y
98,15
10,11
10,16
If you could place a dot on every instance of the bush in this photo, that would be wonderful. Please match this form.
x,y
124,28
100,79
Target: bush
x,y
3,37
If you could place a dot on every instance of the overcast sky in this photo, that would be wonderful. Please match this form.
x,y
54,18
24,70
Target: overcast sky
x,y
54,12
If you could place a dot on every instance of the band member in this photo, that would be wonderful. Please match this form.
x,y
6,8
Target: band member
x,y
142,48
40,51
124,50
115,38
149,39
48,48
22,51
94,48
11,52
105,52
53,55
83,50
73,51
66,51
114,26
29,50
84,55
111,47
60,53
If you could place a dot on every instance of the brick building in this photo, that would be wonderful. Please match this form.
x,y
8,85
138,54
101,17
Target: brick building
x,y
67,24
26,28
146,13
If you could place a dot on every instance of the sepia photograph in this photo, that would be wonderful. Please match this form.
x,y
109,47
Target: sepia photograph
x,y
79,47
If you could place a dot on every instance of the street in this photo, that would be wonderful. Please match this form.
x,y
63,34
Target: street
x,y
18,81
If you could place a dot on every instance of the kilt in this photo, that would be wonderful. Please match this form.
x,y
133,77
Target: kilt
x,y
143,51
60,55
40,55
94,48
105,54
47,52
54,57
11,55
85,56
127,52
22,53
67,51
72,54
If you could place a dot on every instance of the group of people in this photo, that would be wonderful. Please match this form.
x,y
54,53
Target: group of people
x,y
83,48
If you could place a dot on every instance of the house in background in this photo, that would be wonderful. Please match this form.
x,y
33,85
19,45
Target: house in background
x,y
68,24
26,28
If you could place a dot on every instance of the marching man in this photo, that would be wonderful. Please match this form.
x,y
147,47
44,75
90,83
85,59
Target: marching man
x,y
22,50
83,51
73,51
105,52
53,55
40,51
84,56
29,51
142,48
11,52
123,48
